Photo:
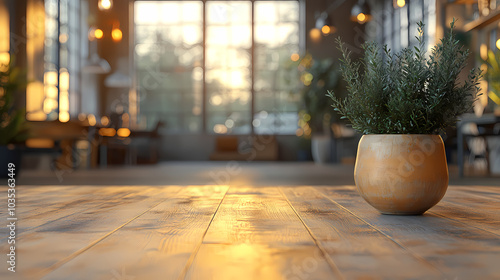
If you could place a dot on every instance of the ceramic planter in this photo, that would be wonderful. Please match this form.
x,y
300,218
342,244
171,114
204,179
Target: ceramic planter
x,y
401,174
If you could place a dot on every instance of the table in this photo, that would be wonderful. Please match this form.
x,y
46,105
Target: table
x,y
222,232
487,119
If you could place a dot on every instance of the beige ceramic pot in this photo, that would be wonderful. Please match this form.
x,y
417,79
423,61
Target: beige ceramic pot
x,y
401,174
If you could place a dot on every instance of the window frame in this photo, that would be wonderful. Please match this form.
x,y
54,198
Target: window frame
x,y
204,113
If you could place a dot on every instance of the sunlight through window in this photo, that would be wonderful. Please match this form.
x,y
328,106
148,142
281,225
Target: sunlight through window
x,y
178,70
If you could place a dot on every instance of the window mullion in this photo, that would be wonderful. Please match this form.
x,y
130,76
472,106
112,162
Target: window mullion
x,y
203,59
252,68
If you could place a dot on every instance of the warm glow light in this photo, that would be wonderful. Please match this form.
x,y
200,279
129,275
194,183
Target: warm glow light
x,y
63,116
91,119
483,50
34,101
315,34
295,57
4,28
361,17
220,129
34,39
4,59
39,143
63,38
64,101
236,79
64,80
299,132
401,3
105,4
484,68
98,33
49,105
51,92
107,131
498,44
104,120
325,29
116,34
216,100
123,132
50,78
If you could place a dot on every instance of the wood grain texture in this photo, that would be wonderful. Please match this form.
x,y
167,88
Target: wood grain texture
x,y
360,251
482,192
58,240
156,245
456,249
38,207
217,232
474,211
257,235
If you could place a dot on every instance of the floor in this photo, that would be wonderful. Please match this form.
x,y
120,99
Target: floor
x,y
219,173
222,232
240,220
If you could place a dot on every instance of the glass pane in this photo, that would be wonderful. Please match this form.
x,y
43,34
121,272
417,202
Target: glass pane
x,y
224,12
168,60
289,11
146,13
276,87
266,12
169,54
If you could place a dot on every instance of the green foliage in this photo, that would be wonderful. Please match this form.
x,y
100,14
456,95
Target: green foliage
x,y
13,126
316,77
407,92
493,75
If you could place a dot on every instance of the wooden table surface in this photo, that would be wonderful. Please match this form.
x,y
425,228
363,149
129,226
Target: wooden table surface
x,y
220,232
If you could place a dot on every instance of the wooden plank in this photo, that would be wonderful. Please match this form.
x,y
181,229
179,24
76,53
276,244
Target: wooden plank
x,y
457,250
490,193
360,251
156,245
37,210
257,235
55,242
472,211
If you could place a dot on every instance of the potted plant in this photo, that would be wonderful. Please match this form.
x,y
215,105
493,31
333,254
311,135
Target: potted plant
x,y
315,117
13,126
401,104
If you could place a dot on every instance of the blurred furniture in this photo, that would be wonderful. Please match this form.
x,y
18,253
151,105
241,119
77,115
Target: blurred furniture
x,y
475,137
257,147
341,135
58,141
129,150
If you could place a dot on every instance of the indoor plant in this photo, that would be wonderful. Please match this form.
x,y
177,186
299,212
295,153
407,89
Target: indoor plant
x,y
492,75
401,104
13,126
316,75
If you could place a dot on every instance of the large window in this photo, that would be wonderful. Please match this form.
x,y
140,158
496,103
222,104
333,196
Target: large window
x,y
217,66
400,24
53,52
